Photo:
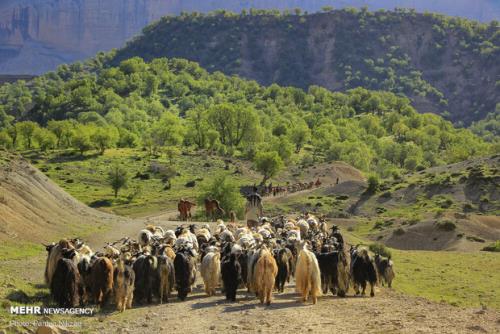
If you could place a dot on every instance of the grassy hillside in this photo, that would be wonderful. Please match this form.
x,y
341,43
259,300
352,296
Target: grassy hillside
x,y
167,105
445,65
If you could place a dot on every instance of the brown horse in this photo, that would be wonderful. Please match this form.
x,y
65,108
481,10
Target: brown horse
x,y
184,207
212,207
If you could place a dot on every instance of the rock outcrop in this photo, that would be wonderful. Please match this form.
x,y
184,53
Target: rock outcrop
x,y
38,35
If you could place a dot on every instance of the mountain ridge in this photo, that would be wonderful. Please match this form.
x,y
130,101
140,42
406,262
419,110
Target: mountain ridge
x,y
38,35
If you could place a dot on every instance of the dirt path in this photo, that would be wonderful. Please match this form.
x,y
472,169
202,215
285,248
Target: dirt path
x,y
387,312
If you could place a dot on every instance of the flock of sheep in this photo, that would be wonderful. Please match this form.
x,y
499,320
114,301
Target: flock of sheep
x,y
230,256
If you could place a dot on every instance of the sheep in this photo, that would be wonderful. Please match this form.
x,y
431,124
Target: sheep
x,y
385,269
265,274
185,272
210,270
166,273
145,268
231,275
363,270
65,280
123,284
307,274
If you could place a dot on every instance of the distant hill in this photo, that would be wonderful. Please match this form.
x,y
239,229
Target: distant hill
x,y
38,35
446,66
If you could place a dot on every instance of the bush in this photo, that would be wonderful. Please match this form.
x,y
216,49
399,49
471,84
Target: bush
x,y
226,191
475,239
446,225
381,249
399,231
373,184
494,247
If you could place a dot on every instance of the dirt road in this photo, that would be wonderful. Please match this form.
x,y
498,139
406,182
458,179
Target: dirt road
x,y
387,312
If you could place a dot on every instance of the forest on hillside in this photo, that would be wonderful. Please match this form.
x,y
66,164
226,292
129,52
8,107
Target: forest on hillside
x,y
444,65
167,104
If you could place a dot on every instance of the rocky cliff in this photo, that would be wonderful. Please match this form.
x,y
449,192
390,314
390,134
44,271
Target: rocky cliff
x,y
38,35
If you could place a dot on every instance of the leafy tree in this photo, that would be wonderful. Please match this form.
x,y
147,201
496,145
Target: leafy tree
x,y
373,184
117,178
268,164
81,139
27,130
168,130
5,140
104,138
300,135
46,139
62,130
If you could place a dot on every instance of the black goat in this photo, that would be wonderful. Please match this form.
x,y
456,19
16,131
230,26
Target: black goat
x,y
146,278
65,286
363,270
185,272
231,275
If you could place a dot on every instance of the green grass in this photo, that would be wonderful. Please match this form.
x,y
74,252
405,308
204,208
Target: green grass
x,y
17,251
458,278
494,247
462,279
86,179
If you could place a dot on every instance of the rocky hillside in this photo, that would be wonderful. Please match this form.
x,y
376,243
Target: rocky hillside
x,y
33,208
444,65
38,35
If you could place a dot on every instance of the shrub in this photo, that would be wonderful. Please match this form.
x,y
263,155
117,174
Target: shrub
x,y
399,231
381,249
475,239
494,247
446,225
373,184
226,191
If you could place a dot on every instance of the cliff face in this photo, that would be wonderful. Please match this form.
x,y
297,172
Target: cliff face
x,y
38,35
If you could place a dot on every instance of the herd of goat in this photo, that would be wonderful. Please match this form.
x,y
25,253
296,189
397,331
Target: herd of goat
x,y
229,256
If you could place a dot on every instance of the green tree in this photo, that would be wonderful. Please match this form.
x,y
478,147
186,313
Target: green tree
x,y
268,164
46,139
373,184
81,139
300,135
117,178
27,130
104,138
62,130
5,140
168,130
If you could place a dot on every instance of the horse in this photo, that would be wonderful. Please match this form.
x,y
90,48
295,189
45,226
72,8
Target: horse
x,y
211,207
184,207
